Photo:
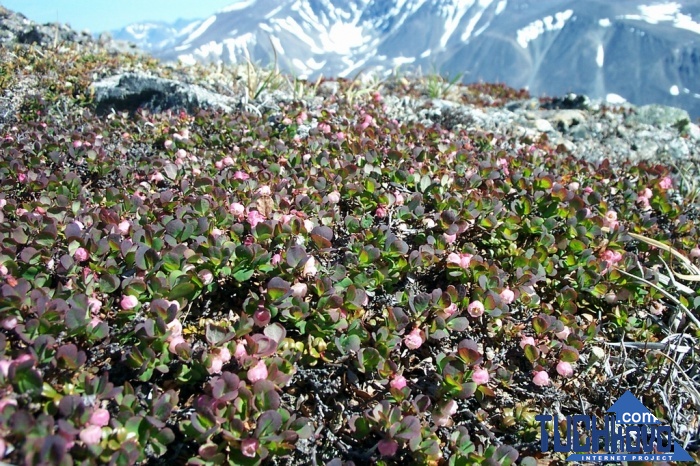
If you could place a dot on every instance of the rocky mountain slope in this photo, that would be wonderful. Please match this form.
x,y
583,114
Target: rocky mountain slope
x,y
641,51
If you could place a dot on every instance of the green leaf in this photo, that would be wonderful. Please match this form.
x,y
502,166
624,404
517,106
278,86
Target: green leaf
x,y
109,283
243,275
183,290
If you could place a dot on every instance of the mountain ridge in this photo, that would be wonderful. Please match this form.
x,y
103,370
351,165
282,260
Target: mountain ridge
x,y
644,52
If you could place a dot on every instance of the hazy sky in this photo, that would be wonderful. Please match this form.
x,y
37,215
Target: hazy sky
x,y
103,15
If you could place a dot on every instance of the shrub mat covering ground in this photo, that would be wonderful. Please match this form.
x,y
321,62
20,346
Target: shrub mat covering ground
x,y
310,278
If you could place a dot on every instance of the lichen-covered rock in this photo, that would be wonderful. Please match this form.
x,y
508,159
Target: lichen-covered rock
x,y
130,91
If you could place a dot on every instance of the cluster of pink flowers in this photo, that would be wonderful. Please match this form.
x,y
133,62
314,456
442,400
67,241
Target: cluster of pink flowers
x,y
611,258
219,357
462,259
367,121
91,434
334,197
666,182
643,199
175,338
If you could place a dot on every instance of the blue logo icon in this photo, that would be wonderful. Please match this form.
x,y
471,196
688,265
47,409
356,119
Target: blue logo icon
x,y
629,432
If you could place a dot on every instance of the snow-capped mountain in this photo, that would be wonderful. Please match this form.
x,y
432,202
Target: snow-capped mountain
x,y
643,51
156,35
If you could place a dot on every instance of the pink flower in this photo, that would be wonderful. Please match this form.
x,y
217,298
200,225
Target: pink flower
x,y
91,435
451,309
224,354
449,239
398,382
175,329
216,365
541,379
646,192
610,219
9,323
156,177
695,253
3,270
21,177
527,341
264,190
503,163
665,183
123,227
310,268
299,290
340,135
387,447
324,128
480,376
168,144
237,209
239,175
276,259
129,302
174,341
228,161
81,254
218,164
334,197
216,232
450,408
257,372
94,322
414,339
507,296
574,185
99,417
381,211
611,257
643,203
6,401
240,351
463,260
255,217
399,199
249,447
5,369
475,309
564,333
564,369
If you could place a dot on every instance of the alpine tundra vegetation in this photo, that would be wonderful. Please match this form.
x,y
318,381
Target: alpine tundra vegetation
x,y
325,273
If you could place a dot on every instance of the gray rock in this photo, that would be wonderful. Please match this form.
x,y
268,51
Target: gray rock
x,y
130,91
543,126
658,115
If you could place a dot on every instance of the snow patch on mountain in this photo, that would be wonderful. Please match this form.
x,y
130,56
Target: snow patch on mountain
x,y
665,12
549,23
201,29
239,5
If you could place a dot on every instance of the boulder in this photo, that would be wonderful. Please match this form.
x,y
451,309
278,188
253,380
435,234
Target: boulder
x,y
131,91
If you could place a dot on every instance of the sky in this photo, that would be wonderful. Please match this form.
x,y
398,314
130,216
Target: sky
x,y
105,15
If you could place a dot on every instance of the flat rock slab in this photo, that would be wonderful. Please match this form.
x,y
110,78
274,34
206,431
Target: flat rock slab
x,y
131,91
